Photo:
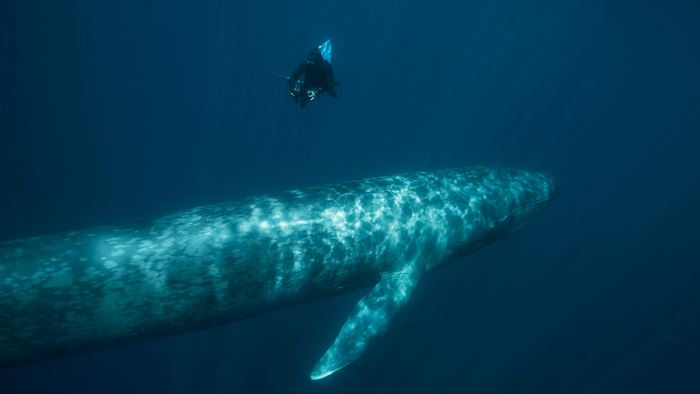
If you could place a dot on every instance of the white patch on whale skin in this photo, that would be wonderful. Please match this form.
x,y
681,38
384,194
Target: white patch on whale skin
x,y
119,251
110,264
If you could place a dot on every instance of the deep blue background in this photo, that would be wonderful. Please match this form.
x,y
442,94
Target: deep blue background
x,y
111,111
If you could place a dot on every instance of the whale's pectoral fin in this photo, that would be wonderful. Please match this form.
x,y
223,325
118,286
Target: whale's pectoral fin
x,y
370,318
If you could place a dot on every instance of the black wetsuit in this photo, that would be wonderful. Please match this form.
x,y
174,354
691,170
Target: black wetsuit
x,y
311,78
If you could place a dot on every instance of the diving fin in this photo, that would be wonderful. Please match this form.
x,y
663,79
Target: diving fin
x,y
369,319
326,50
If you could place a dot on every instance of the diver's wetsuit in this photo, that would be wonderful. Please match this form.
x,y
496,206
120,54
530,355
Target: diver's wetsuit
x,y
317,78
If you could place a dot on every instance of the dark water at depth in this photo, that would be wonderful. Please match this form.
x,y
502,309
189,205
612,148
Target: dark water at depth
x,y
111,111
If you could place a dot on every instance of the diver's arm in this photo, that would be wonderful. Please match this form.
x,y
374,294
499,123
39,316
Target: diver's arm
x,y
297,74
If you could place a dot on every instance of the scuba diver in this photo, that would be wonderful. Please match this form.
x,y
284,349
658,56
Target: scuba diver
x,y
313,76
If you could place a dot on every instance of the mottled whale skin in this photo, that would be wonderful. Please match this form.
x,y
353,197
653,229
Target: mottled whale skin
x,y
89,289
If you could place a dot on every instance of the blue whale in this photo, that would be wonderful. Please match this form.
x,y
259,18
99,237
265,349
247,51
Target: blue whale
x,y
81,290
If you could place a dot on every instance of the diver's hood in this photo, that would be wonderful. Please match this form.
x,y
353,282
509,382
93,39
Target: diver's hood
x,y
325,49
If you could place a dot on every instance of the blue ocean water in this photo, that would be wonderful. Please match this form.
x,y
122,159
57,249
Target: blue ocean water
x,y
112,111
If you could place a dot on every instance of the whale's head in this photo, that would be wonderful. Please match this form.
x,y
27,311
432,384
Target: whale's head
x,y
495,202
523,195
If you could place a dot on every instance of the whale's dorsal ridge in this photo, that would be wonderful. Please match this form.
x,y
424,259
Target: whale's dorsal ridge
x,y
370,318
